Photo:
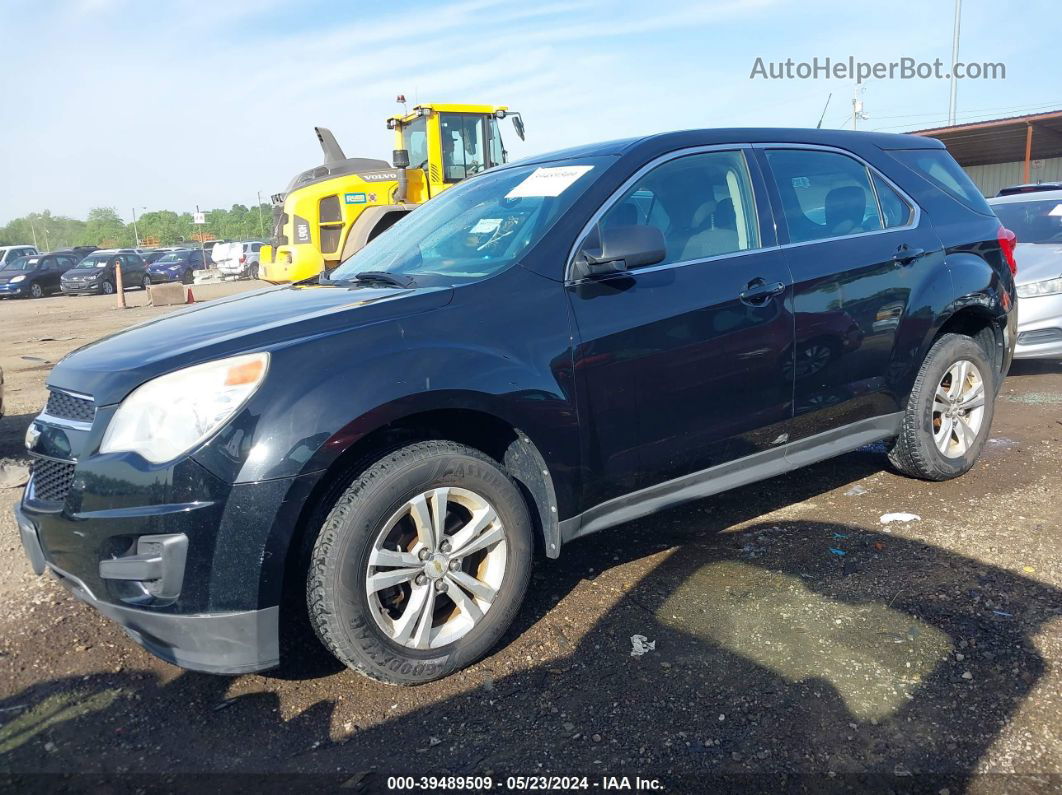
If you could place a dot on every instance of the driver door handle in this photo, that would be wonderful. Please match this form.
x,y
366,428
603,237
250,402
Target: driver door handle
x,y
758,292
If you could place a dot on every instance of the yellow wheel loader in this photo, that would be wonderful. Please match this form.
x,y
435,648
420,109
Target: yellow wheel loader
x,y
329,212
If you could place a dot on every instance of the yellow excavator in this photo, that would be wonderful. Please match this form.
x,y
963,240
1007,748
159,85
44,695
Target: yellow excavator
x,y
329,212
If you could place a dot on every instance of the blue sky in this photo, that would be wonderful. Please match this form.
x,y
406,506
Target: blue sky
x,y
170,103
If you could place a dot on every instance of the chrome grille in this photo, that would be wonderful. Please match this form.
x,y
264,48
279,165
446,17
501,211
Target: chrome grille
x,y
51,479
68,407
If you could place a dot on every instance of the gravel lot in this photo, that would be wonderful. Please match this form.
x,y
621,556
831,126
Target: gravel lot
x,y
792,634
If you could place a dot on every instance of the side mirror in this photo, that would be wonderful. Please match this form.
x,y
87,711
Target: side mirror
x,y
623,248
400,158
518,125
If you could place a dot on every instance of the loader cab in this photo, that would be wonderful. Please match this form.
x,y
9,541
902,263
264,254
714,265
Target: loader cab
x,y
448,143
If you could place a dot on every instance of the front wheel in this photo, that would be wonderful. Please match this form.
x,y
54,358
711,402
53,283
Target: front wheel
x,y
146,282
421,565
36,291
949,412
107,288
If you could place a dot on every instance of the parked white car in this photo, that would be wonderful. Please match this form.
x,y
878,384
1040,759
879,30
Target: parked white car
x,y
12,253
238,259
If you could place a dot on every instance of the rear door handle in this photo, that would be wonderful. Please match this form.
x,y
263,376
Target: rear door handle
x,y
759,291
905,255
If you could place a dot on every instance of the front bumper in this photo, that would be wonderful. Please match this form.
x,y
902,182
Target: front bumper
x,y
164,277
231,642
11,289
80,289
189,566
1039,327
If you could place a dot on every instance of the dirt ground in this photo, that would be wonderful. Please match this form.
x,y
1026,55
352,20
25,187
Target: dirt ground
x,y
792,639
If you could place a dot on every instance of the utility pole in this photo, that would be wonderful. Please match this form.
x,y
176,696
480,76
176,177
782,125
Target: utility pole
x,y
33,229
954,60
857,106
136,234
261,221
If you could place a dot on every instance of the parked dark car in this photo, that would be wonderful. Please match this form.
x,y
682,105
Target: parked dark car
x,y
96,272
548,349
78,252
153,256
176,266
35,276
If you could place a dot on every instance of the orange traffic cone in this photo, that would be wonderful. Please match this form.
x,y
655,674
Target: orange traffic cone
x,y
191,298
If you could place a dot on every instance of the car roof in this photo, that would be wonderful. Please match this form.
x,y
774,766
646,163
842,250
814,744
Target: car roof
x,y
680,139
1034,196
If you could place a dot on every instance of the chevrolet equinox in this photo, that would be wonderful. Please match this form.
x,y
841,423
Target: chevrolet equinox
x,y
551,348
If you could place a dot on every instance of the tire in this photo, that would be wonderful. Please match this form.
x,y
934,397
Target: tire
x,y
253,272
36,291
917,451
186,278
365,630
146,281
107,288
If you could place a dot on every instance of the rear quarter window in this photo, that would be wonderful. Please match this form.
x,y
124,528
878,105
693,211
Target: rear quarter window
x,y
940,168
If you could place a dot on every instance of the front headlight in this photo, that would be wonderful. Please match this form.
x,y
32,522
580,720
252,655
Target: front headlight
x,y
173,413
1046,287
17,279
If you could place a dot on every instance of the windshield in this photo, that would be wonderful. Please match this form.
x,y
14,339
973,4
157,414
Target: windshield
x,y
170,259
21,264
95,261
1032,221
477,228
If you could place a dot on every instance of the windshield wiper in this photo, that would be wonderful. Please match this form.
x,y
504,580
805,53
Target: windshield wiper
x,y
383,277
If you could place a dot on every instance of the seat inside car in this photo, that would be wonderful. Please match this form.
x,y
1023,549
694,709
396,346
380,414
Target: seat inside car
x,y
845,208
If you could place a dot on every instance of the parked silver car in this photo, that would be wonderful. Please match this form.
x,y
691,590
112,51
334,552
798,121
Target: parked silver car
x,y
1036,219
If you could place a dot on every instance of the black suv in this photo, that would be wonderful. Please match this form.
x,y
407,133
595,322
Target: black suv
x,y
96,272
548,349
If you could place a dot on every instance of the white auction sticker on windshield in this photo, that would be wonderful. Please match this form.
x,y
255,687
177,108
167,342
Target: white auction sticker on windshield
x,y
1057,210
551,181
485,225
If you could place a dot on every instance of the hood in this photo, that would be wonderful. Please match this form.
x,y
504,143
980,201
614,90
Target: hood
x,y
1038,261
109,368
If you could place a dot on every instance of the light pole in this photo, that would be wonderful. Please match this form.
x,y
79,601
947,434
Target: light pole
x,y
954,59
135,233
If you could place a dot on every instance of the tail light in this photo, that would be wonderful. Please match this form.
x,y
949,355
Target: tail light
x,y
243,257
1007,241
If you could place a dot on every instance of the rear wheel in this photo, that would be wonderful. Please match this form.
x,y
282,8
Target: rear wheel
x,y
186,277
253,272
146,282
949,412
421,565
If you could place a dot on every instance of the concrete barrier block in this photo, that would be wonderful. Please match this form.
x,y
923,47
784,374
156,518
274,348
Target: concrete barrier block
x,y
167,294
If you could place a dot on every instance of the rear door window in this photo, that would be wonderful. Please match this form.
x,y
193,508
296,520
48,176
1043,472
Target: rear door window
x,y
824,194
894,209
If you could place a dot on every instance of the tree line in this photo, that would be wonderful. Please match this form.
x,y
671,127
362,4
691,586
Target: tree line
x,y
103,227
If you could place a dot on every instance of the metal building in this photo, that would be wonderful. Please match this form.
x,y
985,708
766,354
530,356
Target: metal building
x,y
1011,151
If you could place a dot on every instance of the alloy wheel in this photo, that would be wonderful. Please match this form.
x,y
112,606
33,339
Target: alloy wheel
x,y
436,567
958,408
